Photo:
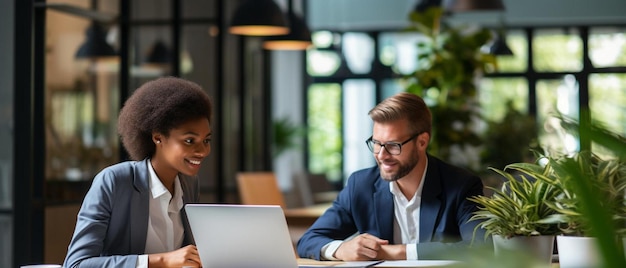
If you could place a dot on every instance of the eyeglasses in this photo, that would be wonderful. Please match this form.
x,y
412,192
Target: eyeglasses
x,y
393,148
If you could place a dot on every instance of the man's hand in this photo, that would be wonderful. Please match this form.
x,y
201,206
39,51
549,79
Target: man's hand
x,y
361,248
184,257
392,252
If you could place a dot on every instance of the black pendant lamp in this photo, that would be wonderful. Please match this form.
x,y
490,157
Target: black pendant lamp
x,y
424,5
95,44
474,5
500,47
159,54
259,18
298,38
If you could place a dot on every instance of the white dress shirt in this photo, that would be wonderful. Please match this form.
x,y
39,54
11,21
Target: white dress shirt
x,y
406,222
406,225
165,226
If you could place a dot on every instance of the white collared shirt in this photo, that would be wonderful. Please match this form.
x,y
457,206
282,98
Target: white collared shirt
x,y
165,226
406,224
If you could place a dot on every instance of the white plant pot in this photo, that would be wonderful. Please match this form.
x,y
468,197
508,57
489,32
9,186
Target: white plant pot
x,y
539,247
578,251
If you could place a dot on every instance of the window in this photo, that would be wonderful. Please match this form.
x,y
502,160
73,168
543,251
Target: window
x,y
324,130
546,74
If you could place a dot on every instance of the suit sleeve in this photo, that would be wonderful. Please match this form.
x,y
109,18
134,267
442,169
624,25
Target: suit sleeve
x,y
335,224
93,220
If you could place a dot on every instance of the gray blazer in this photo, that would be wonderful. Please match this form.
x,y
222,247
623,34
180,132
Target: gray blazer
x,y
112,223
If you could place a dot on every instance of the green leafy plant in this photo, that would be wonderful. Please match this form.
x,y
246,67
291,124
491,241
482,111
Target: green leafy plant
x,y
508,140
520,208
449,61
284,135
605,177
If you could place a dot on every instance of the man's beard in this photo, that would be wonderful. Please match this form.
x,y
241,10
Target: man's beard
x,y
404,169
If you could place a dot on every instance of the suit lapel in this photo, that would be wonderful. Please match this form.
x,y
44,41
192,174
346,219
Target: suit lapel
x,y
140,208
384,209
187,192
430,203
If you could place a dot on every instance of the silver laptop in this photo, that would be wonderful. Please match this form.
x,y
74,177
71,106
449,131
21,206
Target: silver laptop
x,y
241,236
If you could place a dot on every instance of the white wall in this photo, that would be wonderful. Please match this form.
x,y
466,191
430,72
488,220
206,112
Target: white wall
x,y
287,99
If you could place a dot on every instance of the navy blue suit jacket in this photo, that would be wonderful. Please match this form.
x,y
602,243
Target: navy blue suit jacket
x,y
365,205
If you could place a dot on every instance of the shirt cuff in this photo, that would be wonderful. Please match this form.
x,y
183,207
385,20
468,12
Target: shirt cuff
x,y
142,261
328,250
411,252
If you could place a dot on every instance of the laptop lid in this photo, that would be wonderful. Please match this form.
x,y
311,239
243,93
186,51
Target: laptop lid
x,y
241,235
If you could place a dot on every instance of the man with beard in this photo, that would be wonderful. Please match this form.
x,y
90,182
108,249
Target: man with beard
x,y
411,206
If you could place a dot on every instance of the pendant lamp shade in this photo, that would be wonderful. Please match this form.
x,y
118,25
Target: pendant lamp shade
x,y
474,5
423,5
499,46
298,38
95,45
259,18
159,54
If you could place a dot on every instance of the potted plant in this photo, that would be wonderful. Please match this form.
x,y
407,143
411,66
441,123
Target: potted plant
x,y
519,216
583,173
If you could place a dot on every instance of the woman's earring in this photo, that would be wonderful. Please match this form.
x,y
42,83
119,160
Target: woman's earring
x,y
158,141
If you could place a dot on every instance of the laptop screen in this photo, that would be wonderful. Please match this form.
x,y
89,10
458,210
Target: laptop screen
x,y
241,235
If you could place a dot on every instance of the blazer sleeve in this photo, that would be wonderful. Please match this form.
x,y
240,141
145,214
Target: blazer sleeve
x,y
338,222
87,248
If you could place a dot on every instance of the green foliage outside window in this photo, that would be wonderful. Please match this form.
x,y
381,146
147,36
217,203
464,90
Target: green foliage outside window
x,y
557,52
324,130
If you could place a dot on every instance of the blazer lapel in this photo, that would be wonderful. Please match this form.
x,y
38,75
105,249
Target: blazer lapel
x,y
188,192
383,199
430,203
140,208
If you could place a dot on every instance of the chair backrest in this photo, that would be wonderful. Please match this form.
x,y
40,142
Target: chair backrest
x,y
259,188
314,188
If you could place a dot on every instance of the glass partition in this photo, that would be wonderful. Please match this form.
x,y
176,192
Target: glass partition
x,y
518,43
607,96
557,50
557,96
607,46
81,106
495,93
324,120
359,98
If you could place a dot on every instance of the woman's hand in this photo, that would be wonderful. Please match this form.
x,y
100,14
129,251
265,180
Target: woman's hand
x,y
184,257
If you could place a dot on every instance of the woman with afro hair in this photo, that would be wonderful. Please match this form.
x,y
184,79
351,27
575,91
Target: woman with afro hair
x,y
133,214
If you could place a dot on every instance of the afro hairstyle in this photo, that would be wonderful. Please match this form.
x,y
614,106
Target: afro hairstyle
x,y
159,106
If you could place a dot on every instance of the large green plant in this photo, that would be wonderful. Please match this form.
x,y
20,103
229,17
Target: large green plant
x,y
449,61
520,208
508,141
604,177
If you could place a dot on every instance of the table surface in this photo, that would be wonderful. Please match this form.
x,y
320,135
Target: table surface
x,y
307,212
